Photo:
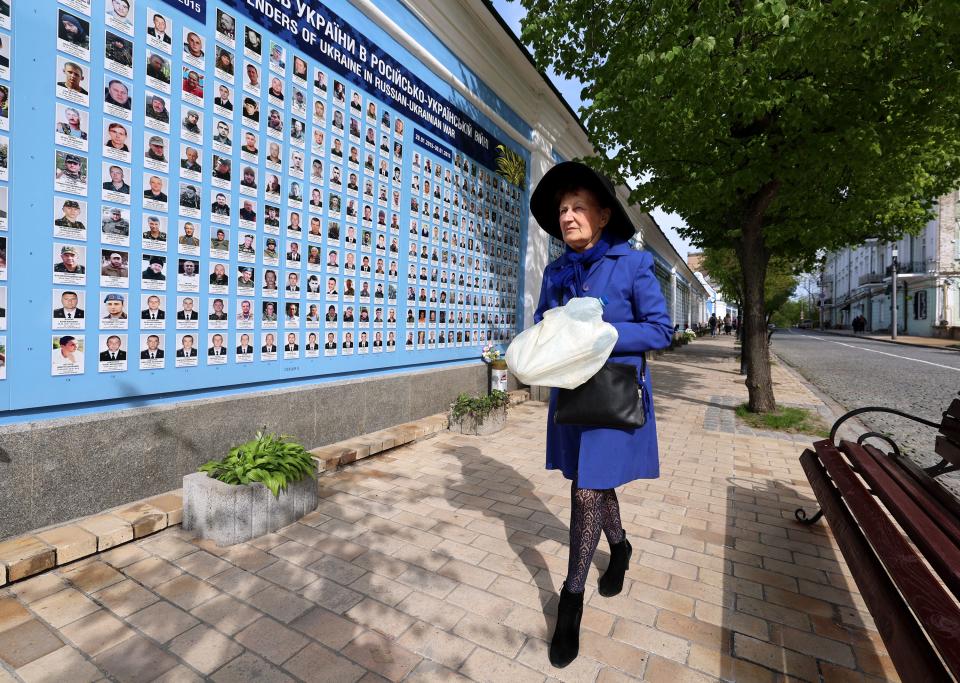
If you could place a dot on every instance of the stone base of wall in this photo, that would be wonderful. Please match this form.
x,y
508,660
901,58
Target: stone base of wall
x,y
62,469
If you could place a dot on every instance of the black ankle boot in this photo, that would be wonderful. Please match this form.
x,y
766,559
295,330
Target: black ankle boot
x,y
611,583
565,644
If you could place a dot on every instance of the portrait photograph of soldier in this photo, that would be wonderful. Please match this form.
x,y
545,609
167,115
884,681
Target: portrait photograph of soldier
x,y
194,48
116,98
113,357
218,314
188,239
186,354
189,200
69,263
153,274
224,64
115,183
5,107
155,192
155,152
223,101
151,351
312,348
70,173
120,13
220,244
157,111
72,78
159,27
244,349
67,355
190,166
192,85
115,225
226,28
191,127
113,313
292,348
116,137
158,71
73,34
114,268
252,43
188,275
68,309
216,349
155,232
72,127
153,311
118,54
71,217
268,348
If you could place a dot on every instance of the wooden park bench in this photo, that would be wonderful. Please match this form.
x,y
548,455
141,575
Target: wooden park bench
x,y
899,531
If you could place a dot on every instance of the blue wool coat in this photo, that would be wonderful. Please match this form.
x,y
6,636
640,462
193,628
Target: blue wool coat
x,y
594,457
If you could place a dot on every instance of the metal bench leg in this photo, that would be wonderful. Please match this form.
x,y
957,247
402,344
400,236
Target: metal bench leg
x,y
801,516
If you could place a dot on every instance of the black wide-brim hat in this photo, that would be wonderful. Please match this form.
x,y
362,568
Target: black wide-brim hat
x,y
572,175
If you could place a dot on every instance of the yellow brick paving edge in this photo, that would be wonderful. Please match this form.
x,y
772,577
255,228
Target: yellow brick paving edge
x,y
38,551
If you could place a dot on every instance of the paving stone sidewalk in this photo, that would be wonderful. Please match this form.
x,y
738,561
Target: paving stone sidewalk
x,y
438,561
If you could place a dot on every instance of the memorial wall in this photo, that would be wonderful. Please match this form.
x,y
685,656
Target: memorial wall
x,y
229,193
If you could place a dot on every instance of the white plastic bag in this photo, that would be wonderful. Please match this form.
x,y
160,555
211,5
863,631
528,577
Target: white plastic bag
x,y
566,348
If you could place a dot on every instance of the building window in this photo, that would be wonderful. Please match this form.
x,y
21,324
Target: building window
x,y
956,240
920,305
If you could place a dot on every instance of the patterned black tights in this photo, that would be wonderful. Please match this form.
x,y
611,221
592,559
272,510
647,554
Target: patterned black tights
x,y
592,510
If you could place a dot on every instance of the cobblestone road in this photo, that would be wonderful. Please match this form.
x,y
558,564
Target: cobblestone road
x,y
859,372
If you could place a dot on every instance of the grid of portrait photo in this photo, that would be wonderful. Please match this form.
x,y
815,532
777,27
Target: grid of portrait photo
x,y
255,206
5,56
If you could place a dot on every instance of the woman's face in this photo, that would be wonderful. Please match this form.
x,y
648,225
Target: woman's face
x,y
582,219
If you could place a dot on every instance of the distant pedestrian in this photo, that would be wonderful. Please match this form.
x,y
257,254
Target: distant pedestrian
x,y
727,324
713,325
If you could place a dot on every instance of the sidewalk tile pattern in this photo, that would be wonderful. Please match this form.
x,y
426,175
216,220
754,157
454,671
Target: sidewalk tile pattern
x,y
440,560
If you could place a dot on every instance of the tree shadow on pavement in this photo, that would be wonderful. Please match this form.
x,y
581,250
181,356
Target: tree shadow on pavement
x,y
789,602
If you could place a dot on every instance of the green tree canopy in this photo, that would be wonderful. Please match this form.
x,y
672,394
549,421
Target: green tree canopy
x,y
723,268
771,126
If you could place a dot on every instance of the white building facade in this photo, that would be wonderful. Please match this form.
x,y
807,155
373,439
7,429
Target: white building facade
x,y
857,280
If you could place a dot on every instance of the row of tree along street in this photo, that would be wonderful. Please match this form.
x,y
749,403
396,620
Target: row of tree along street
x,y
775,128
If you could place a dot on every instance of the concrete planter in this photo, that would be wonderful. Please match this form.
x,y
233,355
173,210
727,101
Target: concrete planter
x,y
228,514
491,424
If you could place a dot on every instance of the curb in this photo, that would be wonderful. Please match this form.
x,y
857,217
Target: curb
x,y
889,341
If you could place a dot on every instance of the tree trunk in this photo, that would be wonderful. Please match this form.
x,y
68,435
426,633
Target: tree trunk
x,y
741,335
754,258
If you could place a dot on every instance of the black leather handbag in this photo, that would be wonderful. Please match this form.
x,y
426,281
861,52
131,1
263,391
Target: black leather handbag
x,y
612,398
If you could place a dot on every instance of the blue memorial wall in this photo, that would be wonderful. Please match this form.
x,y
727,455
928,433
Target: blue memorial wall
x,y
212,194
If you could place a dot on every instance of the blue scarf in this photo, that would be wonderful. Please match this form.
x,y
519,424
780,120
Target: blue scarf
x,y
574,267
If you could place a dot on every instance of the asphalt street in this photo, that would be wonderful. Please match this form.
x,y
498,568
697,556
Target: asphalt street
x,y
859,372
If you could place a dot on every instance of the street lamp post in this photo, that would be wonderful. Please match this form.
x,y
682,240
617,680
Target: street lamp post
x,y
893,297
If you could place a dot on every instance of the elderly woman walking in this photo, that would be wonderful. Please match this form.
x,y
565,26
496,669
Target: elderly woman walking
x,y
579,206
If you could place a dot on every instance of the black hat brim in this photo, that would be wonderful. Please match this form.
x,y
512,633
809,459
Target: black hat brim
x,y
573,174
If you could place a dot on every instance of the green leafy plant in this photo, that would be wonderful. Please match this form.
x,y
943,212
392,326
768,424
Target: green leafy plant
x,y
270,459
512,167
478,407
